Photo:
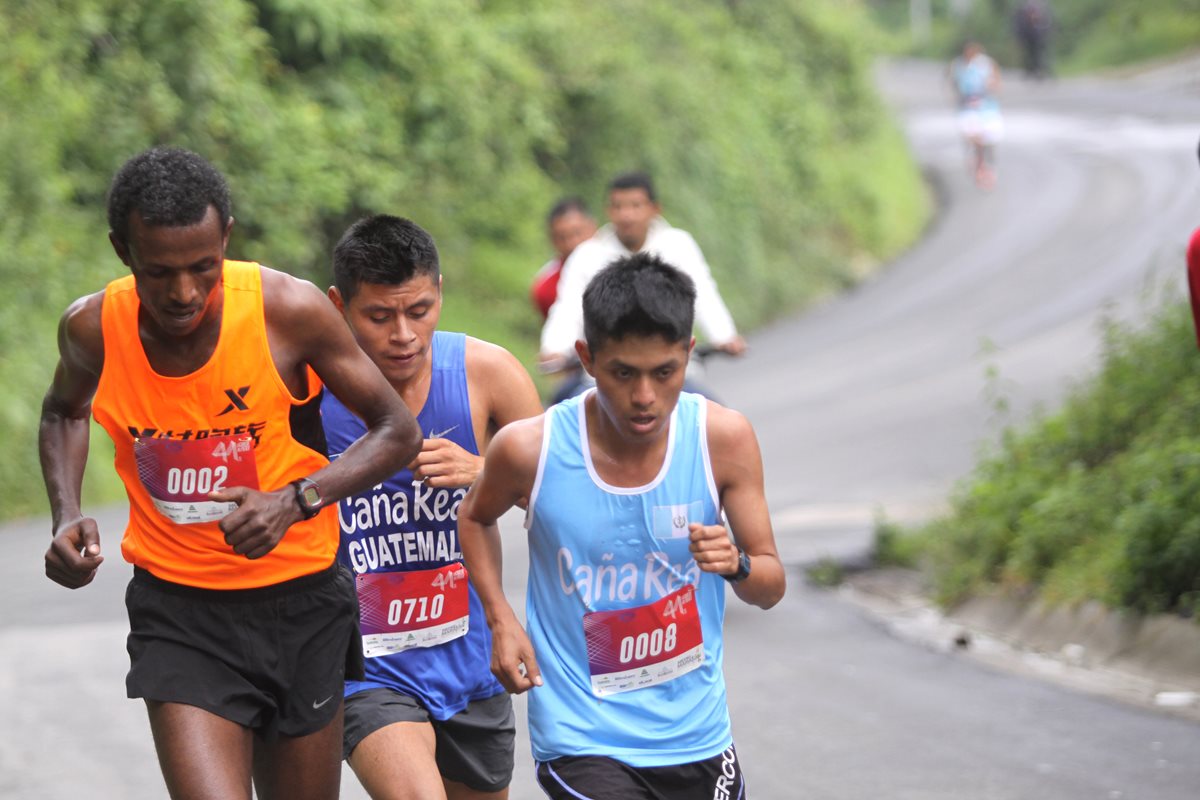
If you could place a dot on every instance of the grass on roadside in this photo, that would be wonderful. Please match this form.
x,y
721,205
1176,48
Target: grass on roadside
x,y
1099,501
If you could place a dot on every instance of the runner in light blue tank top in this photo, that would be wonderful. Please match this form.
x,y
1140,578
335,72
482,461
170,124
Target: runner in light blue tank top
x,y
627,490
595,547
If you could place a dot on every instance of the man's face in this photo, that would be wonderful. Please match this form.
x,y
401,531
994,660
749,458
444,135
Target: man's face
x,y
631,211
394,324
569,230
638,381
177,270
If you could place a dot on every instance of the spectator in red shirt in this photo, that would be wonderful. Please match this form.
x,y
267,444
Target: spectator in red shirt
x,y
568,224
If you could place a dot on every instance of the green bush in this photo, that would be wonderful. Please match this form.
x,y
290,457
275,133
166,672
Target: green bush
x,y
1100,501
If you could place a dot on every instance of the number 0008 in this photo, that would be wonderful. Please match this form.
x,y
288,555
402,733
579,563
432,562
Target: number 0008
x,y
657,642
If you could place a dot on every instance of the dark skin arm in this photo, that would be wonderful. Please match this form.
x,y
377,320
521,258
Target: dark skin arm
x,y
304,328
74,553
506,479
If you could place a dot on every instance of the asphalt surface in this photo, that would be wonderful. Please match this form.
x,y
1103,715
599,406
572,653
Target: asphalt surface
x,y
876,402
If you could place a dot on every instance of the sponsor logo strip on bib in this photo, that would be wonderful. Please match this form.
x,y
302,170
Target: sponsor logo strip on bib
x,y
178,474
421,608
633,648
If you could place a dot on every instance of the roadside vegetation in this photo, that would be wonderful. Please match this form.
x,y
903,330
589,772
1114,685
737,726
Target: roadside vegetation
x,y
1097,501
1089,34
758,121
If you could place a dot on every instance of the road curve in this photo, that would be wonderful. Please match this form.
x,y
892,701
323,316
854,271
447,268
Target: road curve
x,y
880,400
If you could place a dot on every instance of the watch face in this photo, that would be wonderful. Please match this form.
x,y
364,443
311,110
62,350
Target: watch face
x,y
311,496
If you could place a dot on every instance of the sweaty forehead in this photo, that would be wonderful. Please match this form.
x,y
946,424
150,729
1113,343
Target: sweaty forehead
x,y
419,288
175,244
637,350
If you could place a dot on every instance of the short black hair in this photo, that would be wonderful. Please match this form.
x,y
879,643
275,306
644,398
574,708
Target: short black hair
x,y
167,186
638,295
634,180
383,249
566,206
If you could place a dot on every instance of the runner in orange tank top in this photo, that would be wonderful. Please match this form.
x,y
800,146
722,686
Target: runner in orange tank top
x,y
207,375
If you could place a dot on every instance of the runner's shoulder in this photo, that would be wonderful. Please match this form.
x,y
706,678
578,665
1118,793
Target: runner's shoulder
x,y
292,302
728,431
518,445
490,362
81,334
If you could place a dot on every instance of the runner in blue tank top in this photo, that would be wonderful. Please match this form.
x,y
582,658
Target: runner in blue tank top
x,y
629,555
429,719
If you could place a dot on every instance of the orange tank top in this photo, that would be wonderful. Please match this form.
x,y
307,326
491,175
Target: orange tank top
x,y
232,422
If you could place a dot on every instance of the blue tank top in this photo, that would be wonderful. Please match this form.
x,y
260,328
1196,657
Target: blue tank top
x,y
401,526
594,547
971,78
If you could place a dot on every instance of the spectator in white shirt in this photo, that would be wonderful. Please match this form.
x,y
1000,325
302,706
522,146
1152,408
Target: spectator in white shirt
x,y
635,225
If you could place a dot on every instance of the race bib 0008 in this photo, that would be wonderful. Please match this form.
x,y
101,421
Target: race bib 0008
x,y
632,648
421,608
178,475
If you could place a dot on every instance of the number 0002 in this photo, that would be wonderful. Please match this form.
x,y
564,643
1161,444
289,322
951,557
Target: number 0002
x,y
196,481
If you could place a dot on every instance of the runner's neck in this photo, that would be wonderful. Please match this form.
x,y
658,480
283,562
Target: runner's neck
x,y
619,460
180,356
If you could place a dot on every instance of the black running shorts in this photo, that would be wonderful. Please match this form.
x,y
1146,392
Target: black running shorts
x,y
603,778
474,747
273,659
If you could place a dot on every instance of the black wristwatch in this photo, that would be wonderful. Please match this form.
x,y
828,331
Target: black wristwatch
x,y
308,497
743,570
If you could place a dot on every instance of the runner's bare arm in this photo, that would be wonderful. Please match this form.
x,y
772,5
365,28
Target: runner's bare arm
x,y
501,392
507,477
738,472
74,552
303,327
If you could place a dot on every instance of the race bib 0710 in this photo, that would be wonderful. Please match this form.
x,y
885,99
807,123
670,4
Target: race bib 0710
x,y
178,474
632,648
420,608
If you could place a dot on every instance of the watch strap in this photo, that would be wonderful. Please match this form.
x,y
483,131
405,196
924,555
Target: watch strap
x,y
743,570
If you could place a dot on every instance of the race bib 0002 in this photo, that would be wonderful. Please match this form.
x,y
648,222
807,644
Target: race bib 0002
x,y
632,648
420,608
178,474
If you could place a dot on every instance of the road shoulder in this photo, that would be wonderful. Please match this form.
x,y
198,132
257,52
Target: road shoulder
x,y
1149,661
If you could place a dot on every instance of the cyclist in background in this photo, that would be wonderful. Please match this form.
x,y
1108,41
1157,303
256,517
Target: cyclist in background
x,y
635,225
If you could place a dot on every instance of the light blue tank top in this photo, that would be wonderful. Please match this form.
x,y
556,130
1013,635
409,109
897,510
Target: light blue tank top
x,y
596,547
400,526
971,78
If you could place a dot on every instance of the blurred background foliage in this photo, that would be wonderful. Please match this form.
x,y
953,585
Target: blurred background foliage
x,y
1087,34
758,121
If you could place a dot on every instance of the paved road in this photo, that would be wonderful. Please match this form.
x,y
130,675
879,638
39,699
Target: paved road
x,y
876,400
